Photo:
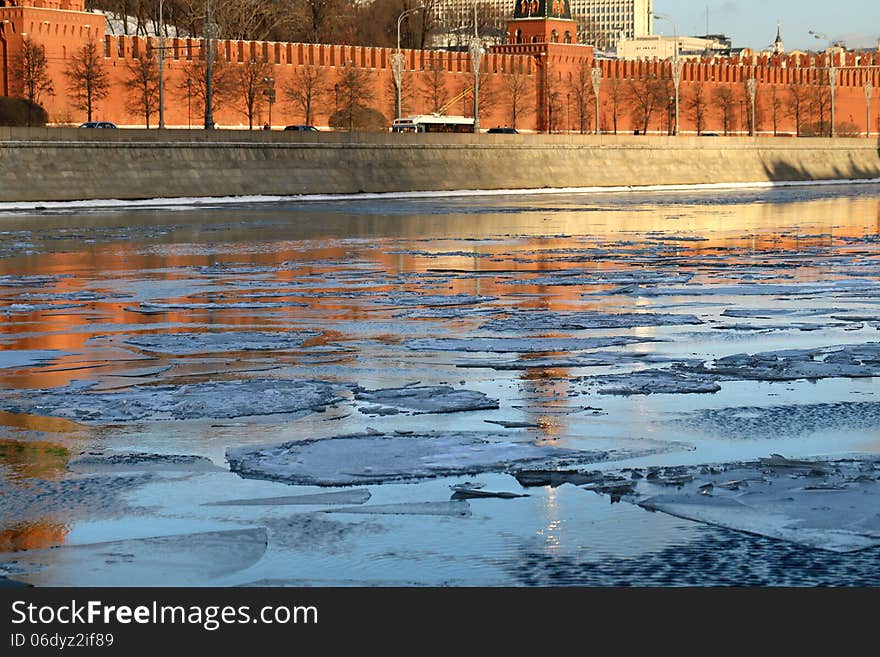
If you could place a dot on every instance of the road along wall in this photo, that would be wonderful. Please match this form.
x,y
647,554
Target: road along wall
x,y
70,164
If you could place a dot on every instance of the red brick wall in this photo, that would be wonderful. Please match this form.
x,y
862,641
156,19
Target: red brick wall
x,y
546,66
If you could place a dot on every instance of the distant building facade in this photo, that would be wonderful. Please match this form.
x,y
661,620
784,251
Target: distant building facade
x,y
609,19
663,47
630,18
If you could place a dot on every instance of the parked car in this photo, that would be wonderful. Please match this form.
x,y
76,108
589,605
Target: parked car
x,y
98,124
502,131
302,128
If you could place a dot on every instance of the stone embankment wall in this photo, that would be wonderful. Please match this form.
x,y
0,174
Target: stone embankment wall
x,y
71,164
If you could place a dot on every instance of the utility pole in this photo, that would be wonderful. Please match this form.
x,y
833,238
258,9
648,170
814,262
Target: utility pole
x,y
869,90
209,82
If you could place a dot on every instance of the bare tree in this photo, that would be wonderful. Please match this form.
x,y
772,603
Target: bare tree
x,y
354,91
581,87
819,104
775,108
798,100
726,101
517,88
696,102
646,95
617,96
434,89
488,96
142,85
251,80
30,74
307,87
222,77
554,92
87,81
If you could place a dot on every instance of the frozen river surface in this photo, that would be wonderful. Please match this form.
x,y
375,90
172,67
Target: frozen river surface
x,y
623,389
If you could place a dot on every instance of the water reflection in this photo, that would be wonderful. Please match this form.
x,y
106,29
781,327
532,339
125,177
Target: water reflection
x,y
367,277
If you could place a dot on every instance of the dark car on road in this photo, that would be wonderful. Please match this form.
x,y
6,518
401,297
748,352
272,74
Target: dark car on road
x,y
502,131
98,124
302,128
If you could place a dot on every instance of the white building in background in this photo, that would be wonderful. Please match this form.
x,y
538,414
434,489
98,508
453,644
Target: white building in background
x,y
663,47
630,18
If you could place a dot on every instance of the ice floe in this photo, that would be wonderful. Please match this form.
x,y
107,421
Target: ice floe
x,y
427,399
177,560
454,508
353,496
380,458
520,345
95,462
212,399
859,360
22,308
657,381
827,505
542,321
213,342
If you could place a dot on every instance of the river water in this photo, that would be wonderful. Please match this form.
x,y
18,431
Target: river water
x,y
173,331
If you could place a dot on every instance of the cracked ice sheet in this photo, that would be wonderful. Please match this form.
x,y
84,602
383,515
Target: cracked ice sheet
x,y
428,399
99,462
520,345
856,361
382,458
431,301
651,382
828,505
179,560
212,399
180,344
845,287
539,320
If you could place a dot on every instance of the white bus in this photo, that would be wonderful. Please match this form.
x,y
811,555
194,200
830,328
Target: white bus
x,y
433,123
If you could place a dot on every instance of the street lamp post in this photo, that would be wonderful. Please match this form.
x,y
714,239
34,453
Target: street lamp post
x,y
596,78
209,82
161,65
476,51
752,86
832,80
189,120
869,90
676,68
397,62
269,92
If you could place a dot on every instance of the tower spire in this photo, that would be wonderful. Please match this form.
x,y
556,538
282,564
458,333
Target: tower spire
x,y
778,45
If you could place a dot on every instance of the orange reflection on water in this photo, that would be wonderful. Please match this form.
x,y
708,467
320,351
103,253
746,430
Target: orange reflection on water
x,y
32,536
